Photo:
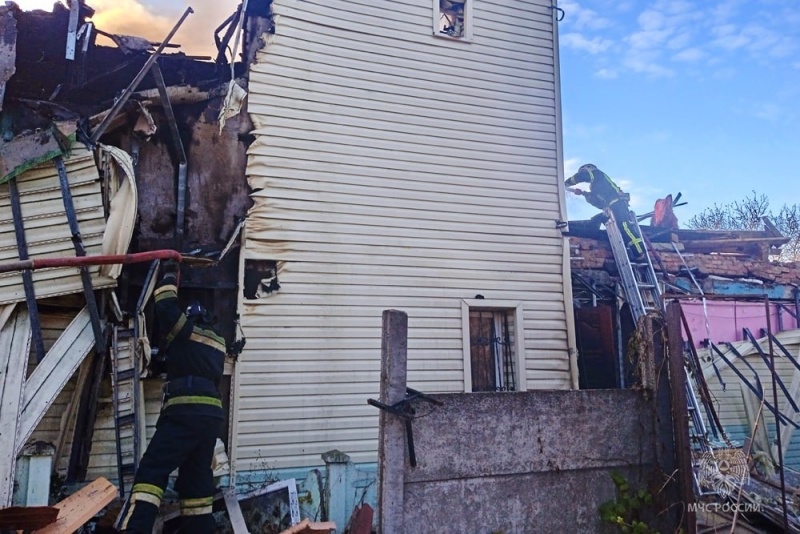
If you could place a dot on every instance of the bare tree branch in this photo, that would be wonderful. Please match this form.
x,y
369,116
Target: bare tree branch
x,y
746,214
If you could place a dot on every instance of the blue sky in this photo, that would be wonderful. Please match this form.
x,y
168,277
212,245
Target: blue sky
x,y
701,97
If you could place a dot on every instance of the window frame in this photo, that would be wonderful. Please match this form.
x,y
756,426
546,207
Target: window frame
x,y
468,8
519,337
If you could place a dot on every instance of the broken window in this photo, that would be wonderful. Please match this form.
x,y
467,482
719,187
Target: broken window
x,y
452,18
260,278
493,361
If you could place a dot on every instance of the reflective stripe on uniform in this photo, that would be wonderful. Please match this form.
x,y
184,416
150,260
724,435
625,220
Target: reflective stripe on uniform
x,y
146,493
165,292
149,489
177,328
193,399
199,506
635,241
208,338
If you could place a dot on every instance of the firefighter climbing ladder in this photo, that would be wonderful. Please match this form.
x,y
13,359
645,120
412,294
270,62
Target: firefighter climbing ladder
x,y
643,293
639,280
126,400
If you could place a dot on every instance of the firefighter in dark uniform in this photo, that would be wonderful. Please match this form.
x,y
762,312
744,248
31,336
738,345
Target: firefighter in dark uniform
x,y
605,194
190,421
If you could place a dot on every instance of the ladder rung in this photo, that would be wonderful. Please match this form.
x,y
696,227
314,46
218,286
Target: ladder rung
x,y
647,286
128,469
126,420
127,374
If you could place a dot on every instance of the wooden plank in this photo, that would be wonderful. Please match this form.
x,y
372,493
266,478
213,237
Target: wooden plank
x,y
68,417
307,527
81,506
50,376
234,511
27,517
15,340
361,521
751,408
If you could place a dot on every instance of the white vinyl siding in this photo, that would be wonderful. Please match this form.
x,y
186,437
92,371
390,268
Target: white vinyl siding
x,y
393,169
46,228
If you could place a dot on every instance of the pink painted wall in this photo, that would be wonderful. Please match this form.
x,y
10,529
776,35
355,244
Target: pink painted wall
x,y
726,320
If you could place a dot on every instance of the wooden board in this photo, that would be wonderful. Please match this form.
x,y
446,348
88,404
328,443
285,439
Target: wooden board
x,y
307,527
27,517
15,339
53,372
81,506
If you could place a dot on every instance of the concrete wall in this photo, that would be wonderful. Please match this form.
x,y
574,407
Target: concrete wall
x,y
538,461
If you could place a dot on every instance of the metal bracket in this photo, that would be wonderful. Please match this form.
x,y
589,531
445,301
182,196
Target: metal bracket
x,y
405,411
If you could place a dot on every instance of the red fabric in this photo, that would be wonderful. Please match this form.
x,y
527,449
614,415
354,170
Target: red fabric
x,y
663,217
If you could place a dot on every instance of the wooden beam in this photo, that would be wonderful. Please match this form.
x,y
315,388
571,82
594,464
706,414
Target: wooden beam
x,y
307,527
27,518
15,344
85,422
53,372
751,412
81,506
68,417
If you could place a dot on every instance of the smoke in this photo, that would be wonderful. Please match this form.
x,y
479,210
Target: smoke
x,y
153,20
135,17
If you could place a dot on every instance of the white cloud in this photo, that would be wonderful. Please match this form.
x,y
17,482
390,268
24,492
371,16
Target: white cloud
x,y
571,166
681,40
689,55
668,36
577,41
649,38
581,17
646,61
768,111
651,20
608,74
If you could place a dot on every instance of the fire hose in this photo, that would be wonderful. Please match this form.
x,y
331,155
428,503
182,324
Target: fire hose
x,y
84,261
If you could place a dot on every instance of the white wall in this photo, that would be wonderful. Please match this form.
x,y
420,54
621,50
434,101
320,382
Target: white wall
x,y
393,169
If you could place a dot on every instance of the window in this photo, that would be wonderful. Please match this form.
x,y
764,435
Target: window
x,y
493,353
452,18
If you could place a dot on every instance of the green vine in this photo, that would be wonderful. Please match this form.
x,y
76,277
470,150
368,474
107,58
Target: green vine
x,y
626,510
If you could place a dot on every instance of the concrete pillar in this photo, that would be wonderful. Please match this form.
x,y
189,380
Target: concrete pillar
x,y
34,465
392,439
337,465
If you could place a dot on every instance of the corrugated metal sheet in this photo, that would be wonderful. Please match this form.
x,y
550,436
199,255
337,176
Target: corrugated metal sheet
x,y
728,399
393,169
46,227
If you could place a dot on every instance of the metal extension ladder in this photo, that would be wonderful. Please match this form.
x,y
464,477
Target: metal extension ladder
x,y
643,292
639,280
127,403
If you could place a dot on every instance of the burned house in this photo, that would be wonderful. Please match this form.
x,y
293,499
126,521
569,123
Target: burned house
x,y
331,172
739,327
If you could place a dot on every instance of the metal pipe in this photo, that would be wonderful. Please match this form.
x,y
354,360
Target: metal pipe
x,y
180,218
777,420
123,99
82,261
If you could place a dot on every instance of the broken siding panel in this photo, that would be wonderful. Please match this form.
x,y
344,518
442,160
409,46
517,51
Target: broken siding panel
x,y
392,169
49,428
730,406
46,228
103,458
